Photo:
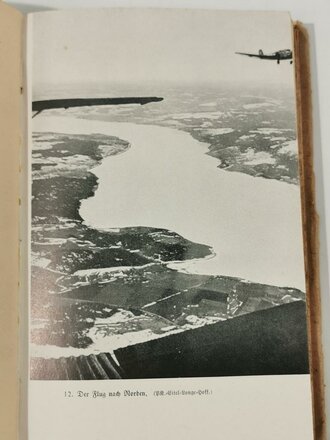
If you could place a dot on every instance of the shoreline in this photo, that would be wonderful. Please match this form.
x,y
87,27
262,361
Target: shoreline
x,y
111,266
286,196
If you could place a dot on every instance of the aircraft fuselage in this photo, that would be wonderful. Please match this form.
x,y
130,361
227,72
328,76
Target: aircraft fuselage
x,y
285,54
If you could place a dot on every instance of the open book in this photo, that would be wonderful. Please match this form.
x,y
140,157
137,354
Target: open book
x,y
158,166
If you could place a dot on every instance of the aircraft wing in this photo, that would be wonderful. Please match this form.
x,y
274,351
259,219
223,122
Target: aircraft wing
x,y
39,106
249,54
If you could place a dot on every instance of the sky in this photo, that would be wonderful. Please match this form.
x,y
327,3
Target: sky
x,y
150,45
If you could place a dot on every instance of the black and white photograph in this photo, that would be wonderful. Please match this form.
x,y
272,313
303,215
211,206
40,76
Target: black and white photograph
x,y
165,228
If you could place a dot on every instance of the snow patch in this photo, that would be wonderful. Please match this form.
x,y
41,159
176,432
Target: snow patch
x,y
290,148
258,105
252,157
215,131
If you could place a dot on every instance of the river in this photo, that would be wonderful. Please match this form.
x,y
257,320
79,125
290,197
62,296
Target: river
x,y
165,180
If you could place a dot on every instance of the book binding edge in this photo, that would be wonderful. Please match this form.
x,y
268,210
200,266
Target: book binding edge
x,y
310,223
11,92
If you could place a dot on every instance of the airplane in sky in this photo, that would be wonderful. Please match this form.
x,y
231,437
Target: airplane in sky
x,y
279,55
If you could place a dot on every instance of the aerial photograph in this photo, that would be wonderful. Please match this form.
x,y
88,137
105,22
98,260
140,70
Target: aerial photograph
x,y
166,235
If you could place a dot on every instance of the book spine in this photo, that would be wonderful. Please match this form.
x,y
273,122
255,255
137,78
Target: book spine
x,y
310,224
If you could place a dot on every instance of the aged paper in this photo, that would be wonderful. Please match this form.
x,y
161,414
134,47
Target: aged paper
x,y
11,37
166,233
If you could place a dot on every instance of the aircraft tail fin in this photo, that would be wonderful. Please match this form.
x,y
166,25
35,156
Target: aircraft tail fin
x,y
261,52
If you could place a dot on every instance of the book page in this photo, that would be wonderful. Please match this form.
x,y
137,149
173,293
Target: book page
x,y
11,38
167,282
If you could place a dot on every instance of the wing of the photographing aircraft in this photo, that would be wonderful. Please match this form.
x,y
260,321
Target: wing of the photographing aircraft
x,y
39,106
